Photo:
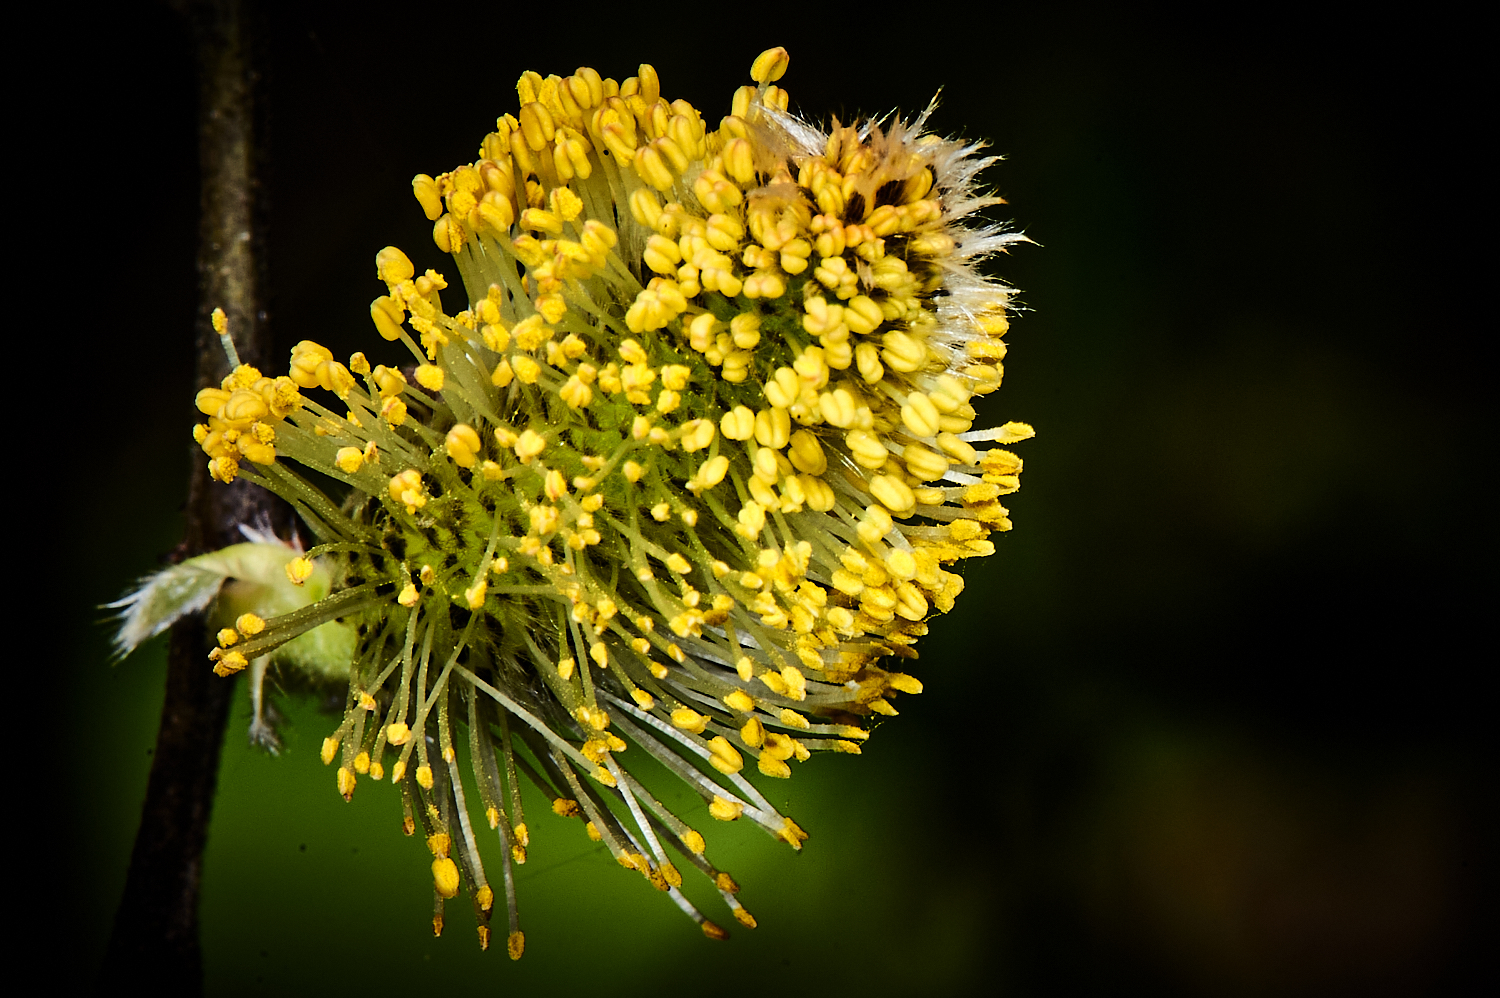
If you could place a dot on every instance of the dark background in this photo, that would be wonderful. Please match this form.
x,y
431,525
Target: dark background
x,y
1208,722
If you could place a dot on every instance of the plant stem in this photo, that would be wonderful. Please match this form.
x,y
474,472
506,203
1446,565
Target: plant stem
x,y
155,936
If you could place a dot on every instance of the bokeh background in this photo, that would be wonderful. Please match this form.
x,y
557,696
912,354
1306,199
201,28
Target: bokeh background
x,y
1207,724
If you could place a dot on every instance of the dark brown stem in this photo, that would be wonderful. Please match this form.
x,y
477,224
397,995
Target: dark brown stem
x,y
155,937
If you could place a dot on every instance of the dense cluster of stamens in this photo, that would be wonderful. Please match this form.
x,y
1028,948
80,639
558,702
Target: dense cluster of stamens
x,y
684,472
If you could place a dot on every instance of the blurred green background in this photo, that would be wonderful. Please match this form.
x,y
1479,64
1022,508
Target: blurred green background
x,y
1207,723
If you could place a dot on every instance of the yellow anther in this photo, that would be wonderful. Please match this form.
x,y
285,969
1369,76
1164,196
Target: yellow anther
x,y
387,317
389,381
744,329
463,445
811,368
903,352
408,596
806,453
349,459
329,749
537,126
228,637
654,168
752,520
923,464
632,352
752,732
770,65
724,233
662,255
689,720
299,570
228,663
529,444
211,400
393,411
696,434
874,524
406,488
723,809
866,449
527,370
430,377
424,777
346,781
796,683
773,428
919,415
713,931
428,196
712,471
739,161
445,877
392,266
723,756
902,565
839,408
771,766
783,388
738,423
862,315
957,449
249,624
